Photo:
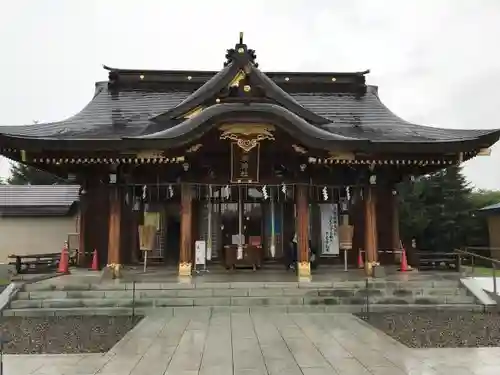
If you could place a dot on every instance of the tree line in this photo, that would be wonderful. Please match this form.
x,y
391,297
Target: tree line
x,y
438,210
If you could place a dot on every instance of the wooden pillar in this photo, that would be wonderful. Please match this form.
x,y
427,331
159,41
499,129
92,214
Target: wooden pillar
x,y
395,239
134,237
304,268
185,258
370,202
82,219
97,221
357,213
115,211
129,233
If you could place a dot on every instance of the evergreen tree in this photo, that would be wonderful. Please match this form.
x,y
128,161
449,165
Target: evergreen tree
x,y
482,198
437,210
414,218
21,174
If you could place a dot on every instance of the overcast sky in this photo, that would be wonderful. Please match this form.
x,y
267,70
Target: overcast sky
x,y
435,62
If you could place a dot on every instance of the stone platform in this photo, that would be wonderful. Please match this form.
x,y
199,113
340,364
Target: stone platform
x,y
330,290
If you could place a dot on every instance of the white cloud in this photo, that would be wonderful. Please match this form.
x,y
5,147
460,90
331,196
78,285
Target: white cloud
x,y
436,62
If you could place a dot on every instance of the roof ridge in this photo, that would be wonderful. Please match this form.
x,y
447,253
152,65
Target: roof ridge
x,y
224,86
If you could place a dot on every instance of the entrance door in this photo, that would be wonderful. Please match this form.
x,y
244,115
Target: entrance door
x,y
173,241
253,224
172,234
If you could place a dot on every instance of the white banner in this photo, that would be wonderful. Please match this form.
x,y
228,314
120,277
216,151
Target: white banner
x,y
200,252
329,229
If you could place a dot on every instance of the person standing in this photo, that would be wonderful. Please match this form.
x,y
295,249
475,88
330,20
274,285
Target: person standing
x,y
291,256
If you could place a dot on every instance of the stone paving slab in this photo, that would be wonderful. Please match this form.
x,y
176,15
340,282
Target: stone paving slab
x,y
229,343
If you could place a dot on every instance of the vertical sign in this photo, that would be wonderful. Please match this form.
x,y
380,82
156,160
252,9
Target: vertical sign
x,y
200,252
329,229
244,164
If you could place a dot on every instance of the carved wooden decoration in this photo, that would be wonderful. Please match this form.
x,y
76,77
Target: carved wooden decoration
x,y
150,154
194,148
341,156
299,149
247,136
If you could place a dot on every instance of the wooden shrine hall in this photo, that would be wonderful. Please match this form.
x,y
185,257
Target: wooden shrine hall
x,y
256,167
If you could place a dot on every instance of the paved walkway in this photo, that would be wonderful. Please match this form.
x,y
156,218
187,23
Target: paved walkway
x,y
258,344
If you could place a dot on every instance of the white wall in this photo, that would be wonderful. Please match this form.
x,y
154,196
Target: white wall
x,y
34,235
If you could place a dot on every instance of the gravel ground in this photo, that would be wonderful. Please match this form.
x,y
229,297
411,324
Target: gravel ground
x,y
440,329
61,334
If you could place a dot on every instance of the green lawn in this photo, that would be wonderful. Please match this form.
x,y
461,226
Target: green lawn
x,y
482,271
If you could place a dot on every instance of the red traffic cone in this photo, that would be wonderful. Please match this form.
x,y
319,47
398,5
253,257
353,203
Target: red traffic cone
x,y
64,261
361,264
95,262
404,262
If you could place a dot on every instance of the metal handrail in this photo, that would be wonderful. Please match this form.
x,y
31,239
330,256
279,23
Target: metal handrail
x,y
477,255
481,248
494,264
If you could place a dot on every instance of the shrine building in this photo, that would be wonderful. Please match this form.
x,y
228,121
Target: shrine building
x,y
251,163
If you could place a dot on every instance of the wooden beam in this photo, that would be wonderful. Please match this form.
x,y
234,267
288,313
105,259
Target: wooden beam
x,y
304,268
185,256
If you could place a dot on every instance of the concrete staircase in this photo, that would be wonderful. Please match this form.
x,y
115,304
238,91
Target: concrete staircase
x,y
41,299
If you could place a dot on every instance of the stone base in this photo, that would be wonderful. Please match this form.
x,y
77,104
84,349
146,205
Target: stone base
x,y
304,270
379,271
185,269
369,269
112,271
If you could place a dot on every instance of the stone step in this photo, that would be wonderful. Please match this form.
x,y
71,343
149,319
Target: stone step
x,y
117,286
277,300
111,311
242,292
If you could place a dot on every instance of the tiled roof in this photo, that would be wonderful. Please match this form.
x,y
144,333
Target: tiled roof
x,y
37,200
128,113
491,208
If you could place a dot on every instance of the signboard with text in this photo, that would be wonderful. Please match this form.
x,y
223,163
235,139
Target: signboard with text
x,y
244,164
200,252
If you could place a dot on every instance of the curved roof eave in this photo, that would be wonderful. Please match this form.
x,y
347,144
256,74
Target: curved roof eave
x,y
466,134
336,144
209,89
288,121
15,130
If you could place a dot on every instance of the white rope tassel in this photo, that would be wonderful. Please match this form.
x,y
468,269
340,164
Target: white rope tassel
x,y
264,192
